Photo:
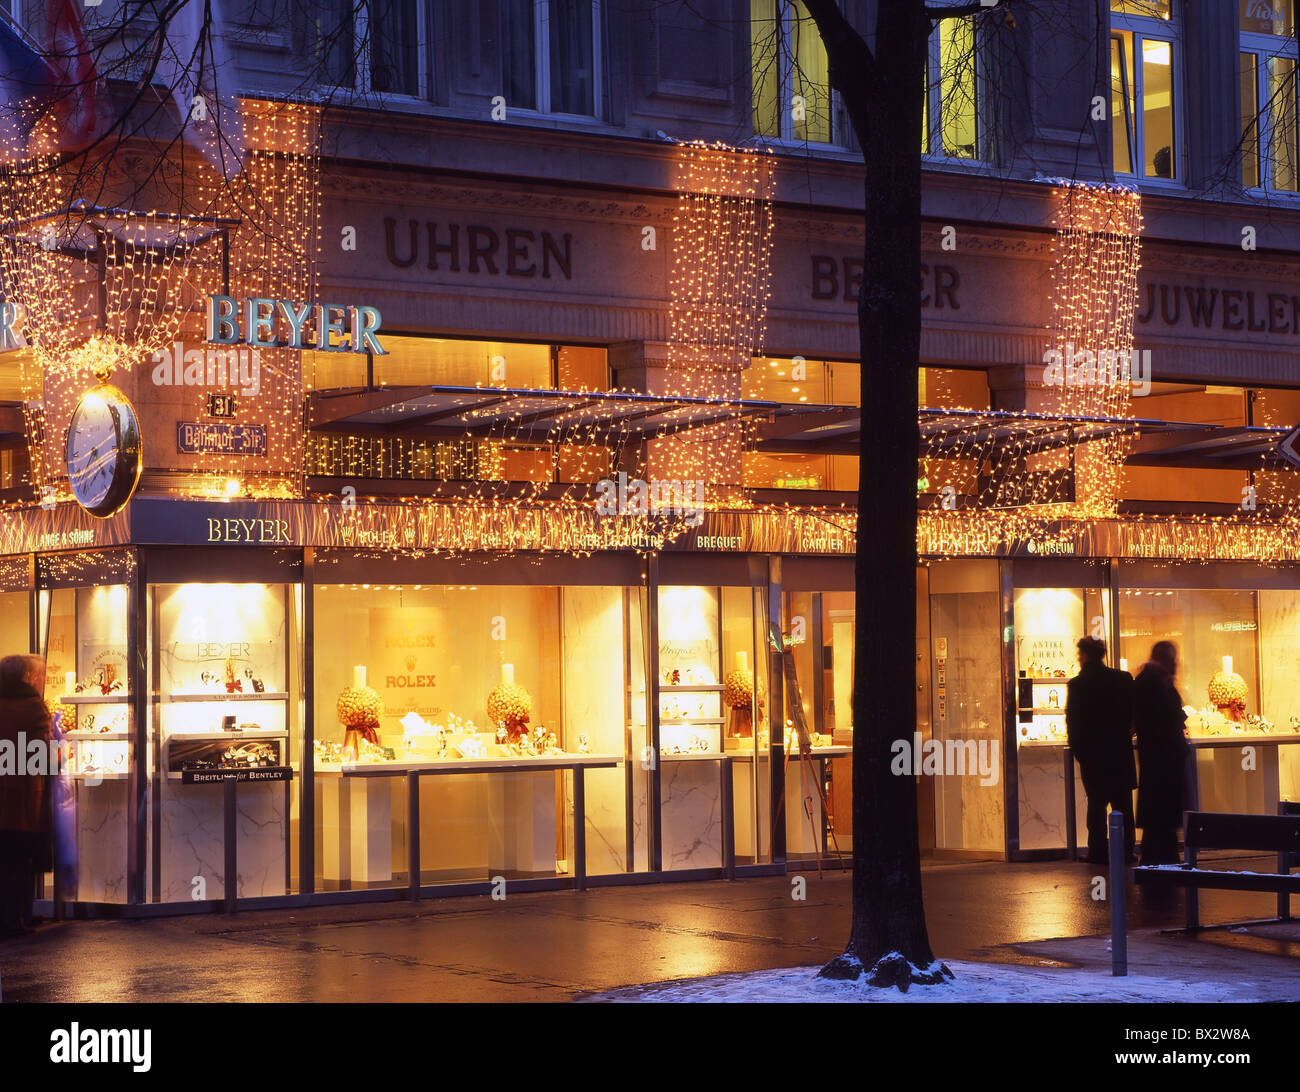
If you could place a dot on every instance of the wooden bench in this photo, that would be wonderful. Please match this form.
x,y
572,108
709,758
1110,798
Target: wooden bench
x,y
1204,830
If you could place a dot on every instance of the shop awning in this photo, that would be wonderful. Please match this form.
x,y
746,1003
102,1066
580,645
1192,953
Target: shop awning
x,y
538,415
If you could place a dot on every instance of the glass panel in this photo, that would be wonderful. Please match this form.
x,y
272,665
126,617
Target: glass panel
x,y
713,695
463,673
394,47
1214,631
811,80
1122,101
966,669
1267,16
1249,119
421,360
1282,118
336,41
1154,9
958,88
1158,108
222,669
86,679
572,57
765,67
518,59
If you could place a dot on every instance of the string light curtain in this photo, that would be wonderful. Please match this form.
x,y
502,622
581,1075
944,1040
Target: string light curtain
x,y
720,281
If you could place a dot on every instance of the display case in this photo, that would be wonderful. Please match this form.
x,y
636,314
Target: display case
x,y
220,708
83,636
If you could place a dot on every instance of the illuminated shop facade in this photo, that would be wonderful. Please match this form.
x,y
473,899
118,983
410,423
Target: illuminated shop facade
x,y
412,541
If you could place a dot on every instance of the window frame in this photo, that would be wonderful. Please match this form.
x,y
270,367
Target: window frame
x,y
361,55
784,92
542,67
1264,48
933,125
1169,31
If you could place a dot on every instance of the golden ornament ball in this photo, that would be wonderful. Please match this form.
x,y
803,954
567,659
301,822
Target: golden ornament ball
x,y
360,707
1227,688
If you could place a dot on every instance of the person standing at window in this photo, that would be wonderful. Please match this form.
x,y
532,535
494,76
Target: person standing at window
x,y
24,802
1098,724
1162,755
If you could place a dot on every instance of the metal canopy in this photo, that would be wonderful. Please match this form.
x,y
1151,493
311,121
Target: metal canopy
x,y
445,411
539,415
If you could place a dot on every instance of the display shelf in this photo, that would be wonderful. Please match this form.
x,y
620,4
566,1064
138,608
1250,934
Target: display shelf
x,y
693,756
692,688
691,722
1043,710
96,699
100,775
185,699
257,733
79,736
467,765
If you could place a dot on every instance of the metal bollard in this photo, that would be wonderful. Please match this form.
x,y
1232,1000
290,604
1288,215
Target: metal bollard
x,y
1118,864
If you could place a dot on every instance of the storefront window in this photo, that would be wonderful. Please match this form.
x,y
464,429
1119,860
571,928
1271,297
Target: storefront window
x,y
1215,631
795,380
489,677
84,639
224,676
713,700
966,674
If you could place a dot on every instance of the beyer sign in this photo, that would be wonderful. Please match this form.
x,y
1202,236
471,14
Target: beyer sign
x,y
306,326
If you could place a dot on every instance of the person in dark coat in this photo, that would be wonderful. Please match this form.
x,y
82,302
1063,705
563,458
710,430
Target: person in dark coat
x,y
24,795
1162,755
1098,724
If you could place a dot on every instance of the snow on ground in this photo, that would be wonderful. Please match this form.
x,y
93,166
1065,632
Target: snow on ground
x,y
980,983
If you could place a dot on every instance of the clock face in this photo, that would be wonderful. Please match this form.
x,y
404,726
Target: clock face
x,y
104,458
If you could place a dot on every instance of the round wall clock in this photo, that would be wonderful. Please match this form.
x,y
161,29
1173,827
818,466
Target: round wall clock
x,y
104,451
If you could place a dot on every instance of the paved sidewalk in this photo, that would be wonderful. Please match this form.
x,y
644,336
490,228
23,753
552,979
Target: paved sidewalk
x,y
556,946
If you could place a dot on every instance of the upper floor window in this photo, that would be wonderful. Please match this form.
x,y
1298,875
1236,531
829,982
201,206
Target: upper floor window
x,y
1268,95
1145,122
372,45
550,56
950,111
790,74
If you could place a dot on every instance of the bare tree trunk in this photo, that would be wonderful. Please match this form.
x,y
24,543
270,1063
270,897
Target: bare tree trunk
x,y
882,89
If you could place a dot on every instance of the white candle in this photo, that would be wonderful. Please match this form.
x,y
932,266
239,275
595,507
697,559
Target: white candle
x,y
508,674
742,661
1227,665
359,675
70,682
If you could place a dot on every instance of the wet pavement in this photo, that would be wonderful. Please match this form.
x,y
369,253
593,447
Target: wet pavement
x,y
557,946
